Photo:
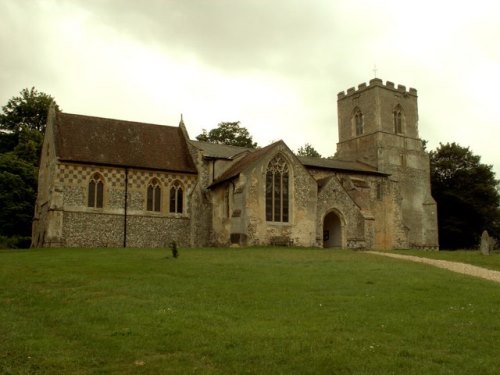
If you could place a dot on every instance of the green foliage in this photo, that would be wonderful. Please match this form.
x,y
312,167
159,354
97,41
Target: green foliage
x,y
8,141
245,311
308,150
467,196
17,195
22,124
29,110
228,133
16,242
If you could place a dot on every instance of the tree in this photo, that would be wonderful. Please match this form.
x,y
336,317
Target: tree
x,y
228,133
467,196
22,124
29,110
308,150
17,195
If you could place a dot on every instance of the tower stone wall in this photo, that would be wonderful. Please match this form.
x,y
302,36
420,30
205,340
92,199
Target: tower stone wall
x,y
378,125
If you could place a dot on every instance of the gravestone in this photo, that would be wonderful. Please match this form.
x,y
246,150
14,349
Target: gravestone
x,y
485,243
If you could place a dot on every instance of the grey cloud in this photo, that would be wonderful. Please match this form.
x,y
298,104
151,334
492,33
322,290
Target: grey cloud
x,y
234,35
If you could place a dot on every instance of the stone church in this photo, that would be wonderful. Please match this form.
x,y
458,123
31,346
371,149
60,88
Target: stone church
x,y
105,182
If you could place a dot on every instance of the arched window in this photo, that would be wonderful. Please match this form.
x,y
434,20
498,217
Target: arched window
x,y
176,198
96,191
154,196
398,120
277,190
358,120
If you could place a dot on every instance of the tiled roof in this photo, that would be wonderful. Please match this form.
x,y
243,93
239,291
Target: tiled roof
x,y
240,165
218,151
339,165
104,141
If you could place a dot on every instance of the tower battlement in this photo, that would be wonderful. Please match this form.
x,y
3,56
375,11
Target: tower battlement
x,y
373,83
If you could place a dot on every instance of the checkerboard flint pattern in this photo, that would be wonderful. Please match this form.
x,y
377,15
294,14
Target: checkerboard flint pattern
x,y
69,174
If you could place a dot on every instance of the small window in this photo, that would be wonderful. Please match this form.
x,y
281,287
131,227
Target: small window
x,y
398,120
358,122
154,196
176,198
96,191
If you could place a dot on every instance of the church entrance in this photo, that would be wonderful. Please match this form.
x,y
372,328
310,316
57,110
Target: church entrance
x,y
332,230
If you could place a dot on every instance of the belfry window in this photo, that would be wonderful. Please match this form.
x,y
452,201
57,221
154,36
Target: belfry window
x,y
358,122
398,120
176,198
277,189
96,191
154,196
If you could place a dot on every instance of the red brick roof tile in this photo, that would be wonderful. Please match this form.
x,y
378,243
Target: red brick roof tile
x,y
105,141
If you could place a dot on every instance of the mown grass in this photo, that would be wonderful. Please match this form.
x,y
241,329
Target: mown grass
x,y
245,311
473,257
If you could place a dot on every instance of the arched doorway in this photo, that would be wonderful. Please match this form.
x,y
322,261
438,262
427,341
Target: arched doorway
x,y
332,230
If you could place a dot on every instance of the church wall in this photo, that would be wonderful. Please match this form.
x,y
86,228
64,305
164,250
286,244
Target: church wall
x,y
42,227
369,207
222,215
201,207
397,153
301,227
81,225
333,197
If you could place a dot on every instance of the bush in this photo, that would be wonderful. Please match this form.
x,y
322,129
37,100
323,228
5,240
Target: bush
x,y
16,242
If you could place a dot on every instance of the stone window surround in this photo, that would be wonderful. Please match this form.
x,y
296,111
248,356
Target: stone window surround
x,y
358,122
153,196
398,119
96,191
176,196
277,207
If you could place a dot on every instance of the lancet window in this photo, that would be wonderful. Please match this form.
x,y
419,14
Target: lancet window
x,y
154,196
398,120
358,122
96,191
176,198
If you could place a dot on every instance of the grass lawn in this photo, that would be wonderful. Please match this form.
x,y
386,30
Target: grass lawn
x,y
474,257
228,311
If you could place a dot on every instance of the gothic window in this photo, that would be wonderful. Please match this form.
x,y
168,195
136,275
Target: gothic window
x,y
358,122
277,181
398,120
154,196
176,198
96,191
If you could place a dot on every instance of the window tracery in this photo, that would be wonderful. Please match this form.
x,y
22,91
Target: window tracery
x,y
398,120
277,190
154,196
358,122
176,198
96,191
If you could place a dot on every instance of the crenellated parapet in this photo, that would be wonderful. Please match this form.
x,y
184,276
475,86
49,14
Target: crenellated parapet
x,y
374,83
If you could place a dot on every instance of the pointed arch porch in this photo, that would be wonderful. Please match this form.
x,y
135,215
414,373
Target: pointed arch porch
x,y
333,229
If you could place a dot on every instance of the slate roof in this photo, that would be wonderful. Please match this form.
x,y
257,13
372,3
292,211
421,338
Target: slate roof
x,y
339,165
218,151
240,165
103,141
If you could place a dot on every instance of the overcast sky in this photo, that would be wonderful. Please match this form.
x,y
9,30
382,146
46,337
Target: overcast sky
x,y
276,66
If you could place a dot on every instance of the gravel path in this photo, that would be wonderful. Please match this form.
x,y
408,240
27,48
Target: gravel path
x,y
463,268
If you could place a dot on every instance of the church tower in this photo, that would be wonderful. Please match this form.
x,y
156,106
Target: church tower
x,y
378,125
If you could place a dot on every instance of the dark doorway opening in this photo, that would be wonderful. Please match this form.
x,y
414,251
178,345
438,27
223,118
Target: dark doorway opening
x,y
332,230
